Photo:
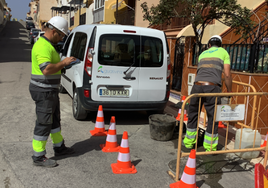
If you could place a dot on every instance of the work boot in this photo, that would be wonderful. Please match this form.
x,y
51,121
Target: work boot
x,y
63,150
44,162
184,149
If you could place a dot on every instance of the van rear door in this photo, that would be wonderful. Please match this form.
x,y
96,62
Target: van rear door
x,y
153,71
115,67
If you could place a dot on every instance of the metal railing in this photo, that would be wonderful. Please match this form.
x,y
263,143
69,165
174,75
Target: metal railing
x,y
243,57
216,95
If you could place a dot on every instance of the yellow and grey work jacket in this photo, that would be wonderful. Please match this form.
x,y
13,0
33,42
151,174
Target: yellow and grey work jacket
x,y
211,64
43,54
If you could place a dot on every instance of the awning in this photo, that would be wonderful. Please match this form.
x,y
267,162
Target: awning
x,y
55,8
119,4
65,8
76,2
62,8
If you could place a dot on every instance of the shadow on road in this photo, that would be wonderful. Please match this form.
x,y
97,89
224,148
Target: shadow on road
x,y
85,146
15,46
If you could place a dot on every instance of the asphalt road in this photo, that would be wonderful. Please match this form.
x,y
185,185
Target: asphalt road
x,y
89,166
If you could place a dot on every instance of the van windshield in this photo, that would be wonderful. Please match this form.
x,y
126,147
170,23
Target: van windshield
x,y
125,50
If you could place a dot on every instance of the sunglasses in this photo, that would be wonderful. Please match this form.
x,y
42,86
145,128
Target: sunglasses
x,y
60,34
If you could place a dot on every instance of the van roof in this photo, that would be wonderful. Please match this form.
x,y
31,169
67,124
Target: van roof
x,y
117,27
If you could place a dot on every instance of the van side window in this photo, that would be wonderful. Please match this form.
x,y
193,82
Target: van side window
x,y
152,52
67,44
119,50
79,45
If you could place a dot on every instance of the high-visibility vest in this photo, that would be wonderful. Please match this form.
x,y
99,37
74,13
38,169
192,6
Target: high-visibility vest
x,y
43,54
211,64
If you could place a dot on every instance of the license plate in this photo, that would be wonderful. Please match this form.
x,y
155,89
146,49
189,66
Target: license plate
x,y
114,93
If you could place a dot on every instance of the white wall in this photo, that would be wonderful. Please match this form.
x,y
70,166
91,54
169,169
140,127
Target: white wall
x,y
89,13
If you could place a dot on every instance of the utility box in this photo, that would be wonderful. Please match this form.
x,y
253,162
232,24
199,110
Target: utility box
x,y
191,79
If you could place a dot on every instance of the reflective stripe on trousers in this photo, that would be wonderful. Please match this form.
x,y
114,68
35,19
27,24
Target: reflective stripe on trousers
x,y
207,142
39,142
190,138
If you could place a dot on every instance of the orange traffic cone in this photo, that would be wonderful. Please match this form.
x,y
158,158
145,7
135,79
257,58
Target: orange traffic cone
x,y
265,141
179,115
183,98
111,139
99,125
123,165
188,177
221,125
185,118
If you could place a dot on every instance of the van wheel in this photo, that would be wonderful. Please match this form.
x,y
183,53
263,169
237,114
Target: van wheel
x,y
78,112
62,89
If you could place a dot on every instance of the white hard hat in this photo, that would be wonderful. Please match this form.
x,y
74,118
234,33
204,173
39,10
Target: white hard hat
x,y
59,23
215,37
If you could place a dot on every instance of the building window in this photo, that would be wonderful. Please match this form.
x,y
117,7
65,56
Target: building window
x,y
99,4
82,19
71,21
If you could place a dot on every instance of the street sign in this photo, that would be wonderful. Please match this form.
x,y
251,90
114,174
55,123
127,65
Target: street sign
x,y
232,112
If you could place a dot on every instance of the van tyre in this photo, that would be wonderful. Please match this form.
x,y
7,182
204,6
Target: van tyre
x,y
78,112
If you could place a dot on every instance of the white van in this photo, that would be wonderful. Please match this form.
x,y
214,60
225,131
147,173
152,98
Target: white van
x,y
122,68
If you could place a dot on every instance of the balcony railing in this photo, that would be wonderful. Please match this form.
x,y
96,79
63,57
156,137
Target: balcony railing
x,y
176,23
98,15
126,17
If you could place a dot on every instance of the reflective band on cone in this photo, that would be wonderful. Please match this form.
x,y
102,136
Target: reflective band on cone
x,y
99,125
179,115
188,179
124,165
111,139
185,118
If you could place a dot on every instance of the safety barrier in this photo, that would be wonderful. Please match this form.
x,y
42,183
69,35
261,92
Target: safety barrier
x,y
216,95
248,88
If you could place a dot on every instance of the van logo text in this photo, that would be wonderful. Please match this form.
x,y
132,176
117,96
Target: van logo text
x,y
102,76
156,78
109,71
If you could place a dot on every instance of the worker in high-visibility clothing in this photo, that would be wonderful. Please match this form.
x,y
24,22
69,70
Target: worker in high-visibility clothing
x,y
44,84
211,64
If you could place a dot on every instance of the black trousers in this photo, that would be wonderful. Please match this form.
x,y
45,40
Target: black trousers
x,y
209,103
47,121
47,111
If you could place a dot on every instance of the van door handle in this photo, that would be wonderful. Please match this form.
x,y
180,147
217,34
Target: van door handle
x,y
114,87
129,78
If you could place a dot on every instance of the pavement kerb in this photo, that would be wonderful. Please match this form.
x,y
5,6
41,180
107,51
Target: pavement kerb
x,y
169,109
